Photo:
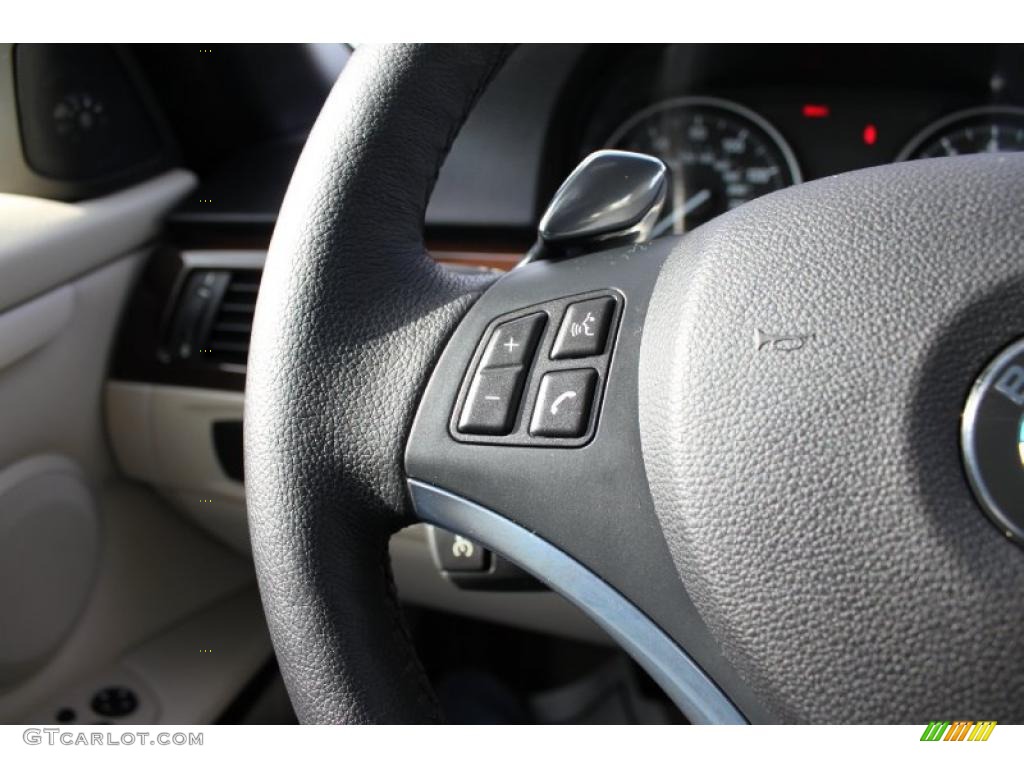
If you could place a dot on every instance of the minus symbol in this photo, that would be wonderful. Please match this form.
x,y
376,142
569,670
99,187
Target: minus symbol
x,y
491,397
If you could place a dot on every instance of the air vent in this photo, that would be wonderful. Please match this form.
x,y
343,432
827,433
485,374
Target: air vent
x,y
227,340
213,319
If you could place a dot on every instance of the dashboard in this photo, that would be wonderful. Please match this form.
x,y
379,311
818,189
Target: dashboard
x,y
731,122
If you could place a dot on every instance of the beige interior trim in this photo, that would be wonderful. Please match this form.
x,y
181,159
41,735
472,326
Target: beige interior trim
x,y
163,435
156,574
187,674
50,396
65,271
44,243
200,665
49,551
32,325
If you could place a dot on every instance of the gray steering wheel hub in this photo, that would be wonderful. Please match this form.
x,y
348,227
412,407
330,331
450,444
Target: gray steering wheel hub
x,y
812,494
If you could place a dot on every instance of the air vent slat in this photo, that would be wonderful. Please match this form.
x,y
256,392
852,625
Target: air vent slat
x,y
228,347
219,327
242,308
227,341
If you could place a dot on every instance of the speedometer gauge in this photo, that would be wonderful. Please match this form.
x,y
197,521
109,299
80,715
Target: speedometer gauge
x,y
971,132
719,155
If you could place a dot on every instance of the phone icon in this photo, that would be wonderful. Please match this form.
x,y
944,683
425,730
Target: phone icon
x,y
561,399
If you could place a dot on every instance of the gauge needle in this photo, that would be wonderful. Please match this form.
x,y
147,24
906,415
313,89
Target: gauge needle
x,y
681,212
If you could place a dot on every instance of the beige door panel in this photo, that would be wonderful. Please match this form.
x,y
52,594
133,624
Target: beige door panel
x,y
142,570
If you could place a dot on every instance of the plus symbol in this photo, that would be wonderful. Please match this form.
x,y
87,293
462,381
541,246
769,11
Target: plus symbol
x,y
510,344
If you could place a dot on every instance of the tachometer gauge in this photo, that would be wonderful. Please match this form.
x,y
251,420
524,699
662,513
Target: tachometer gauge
x,y
973,131
719,155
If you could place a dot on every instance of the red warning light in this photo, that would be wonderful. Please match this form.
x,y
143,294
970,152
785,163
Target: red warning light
x,y
870,134
815,110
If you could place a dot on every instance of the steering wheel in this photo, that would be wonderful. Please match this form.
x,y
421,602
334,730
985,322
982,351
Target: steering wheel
x,y
757,484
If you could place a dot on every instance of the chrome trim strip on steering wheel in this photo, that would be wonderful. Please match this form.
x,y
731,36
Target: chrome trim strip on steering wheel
x,y
669,665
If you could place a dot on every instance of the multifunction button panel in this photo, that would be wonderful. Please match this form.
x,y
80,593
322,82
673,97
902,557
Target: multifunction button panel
x,y
537,376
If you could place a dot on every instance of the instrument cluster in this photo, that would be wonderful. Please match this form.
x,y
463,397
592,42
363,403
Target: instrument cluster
x,y
733,123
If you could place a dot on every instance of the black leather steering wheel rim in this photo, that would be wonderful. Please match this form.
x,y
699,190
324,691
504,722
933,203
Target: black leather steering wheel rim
x,y
350,291
842,571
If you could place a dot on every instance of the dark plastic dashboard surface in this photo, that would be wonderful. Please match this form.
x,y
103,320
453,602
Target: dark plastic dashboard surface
x,y
77,121
489,190
838,107
84,118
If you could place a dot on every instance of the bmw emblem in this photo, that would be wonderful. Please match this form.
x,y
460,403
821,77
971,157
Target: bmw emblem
x,y
992,436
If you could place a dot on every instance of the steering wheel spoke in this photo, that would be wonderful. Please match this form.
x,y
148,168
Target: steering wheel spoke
x,y
557,484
